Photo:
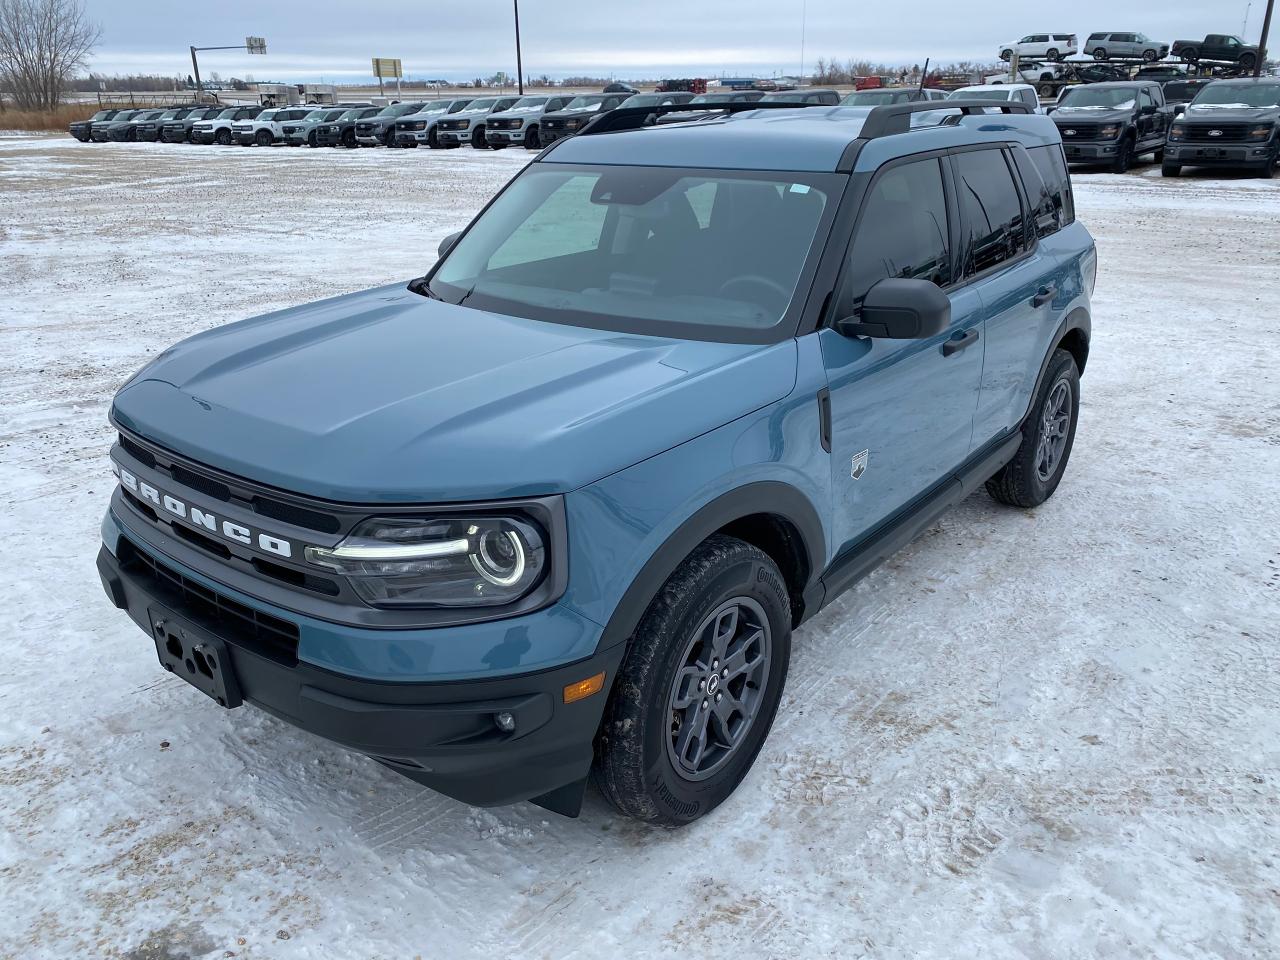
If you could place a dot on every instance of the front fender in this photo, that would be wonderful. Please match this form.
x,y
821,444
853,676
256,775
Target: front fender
x,y
630,531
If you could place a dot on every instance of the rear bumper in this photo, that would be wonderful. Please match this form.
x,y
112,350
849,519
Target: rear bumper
x,y
443,734
1236,155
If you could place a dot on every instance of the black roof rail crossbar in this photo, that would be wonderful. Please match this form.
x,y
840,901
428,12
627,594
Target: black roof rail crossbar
x,y
896,117
633,118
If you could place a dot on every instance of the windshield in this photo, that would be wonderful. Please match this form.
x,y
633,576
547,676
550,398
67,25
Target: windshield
x,y
641,249
1238,95
228,113
351,114
585,103
479,105
1098,98
979,95
528,105
712,98
400,109
873,98
316,115
266,115
100,115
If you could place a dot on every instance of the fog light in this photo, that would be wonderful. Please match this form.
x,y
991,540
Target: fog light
x,y
505,721
584,688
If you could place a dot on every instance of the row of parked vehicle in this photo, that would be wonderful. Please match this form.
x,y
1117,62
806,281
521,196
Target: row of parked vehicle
x,y
1108,45
1221,123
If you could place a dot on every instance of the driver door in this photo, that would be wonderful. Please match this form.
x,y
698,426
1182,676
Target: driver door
x,y
901,410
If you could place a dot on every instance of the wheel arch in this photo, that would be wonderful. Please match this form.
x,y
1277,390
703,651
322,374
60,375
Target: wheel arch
x,y
769,514
1073,336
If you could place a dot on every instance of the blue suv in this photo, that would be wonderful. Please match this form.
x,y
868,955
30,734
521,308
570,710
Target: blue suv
x,y
552,511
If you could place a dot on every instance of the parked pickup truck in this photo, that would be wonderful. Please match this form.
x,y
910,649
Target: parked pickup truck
x,y
381,127
418,128
1112,123
468,124
554,509
1217,46
518,124
1230,123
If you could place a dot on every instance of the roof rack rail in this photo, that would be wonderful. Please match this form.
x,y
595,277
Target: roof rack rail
x,y
896,117
633,118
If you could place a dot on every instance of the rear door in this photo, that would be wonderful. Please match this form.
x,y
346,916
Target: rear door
x,y
901,410
1015,276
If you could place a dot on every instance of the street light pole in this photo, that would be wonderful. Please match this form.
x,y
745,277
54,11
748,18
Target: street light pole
x,y
519,64
196,67
1262,44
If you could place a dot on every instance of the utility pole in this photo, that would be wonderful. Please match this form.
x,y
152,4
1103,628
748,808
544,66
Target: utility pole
x,y
519,64
804,12
1262,44
252,44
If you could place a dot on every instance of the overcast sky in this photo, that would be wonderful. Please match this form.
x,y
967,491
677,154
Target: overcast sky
x,y
462,39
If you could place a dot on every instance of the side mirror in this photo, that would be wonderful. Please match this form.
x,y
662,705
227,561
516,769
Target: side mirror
x,y
447,243
899,309
1179,109
1147,108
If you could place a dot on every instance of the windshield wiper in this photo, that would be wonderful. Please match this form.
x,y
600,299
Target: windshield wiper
x,y
420,286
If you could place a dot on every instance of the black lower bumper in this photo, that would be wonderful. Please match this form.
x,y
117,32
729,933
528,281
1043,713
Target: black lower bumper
x,y
445,735
1241,155
329,139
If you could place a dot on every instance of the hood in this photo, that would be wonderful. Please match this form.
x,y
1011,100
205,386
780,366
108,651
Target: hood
x,y
1065,116
1216,113
386,396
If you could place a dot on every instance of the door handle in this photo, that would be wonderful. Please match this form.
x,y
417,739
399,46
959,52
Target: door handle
x,y
1043,296
957,344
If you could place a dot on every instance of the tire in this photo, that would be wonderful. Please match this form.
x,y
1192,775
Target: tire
x,y
1006,55
222,137
433,141
639,768
1046,90
1151,56
478,141
311,140
1021,482
1100,53
1168,169
349,138
263,138
1052,54
1190,55
1158,155
1268,170
532,139
1124,159
389,139
1246,61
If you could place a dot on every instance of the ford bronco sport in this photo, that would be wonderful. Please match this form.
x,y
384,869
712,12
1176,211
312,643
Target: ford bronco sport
x,y
557,506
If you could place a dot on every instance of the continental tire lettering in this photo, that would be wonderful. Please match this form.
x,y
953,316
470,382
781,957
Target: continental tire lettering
x,y
685,808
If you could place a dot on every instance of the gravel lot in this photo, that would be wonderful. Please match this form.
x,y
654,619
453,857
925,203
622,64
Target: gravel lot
x,y
1044,734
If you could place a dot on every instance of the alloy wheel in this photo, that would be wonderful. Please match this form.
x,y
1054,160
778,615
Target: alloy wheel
x,y
1055,423
718,687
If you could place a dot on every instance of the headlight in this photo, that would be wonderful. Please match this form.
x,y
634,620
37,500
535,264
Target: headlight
x,y
1109,132
439,562
572,124
1261,132
1177,131
462,124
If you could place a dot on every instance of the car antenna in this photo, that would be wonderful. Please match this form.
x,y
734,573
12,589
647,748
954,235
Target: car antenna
x,y
923,73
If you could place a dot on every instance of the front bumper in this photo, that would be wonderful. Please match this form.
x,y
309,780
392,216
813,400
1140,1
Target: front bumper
x,y
205,137
504,137
148,136
1091,152
328,139
441,734
454,137
551,136
413,136
173,136
1235,155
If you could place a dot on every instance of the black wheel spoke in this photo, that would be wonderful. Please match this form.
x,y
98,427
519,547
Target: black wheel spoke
x,y
718,686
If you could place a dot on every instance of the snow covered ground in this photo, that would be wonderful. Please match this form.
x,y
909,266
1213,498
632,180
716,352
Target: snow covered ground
x,y
1044,734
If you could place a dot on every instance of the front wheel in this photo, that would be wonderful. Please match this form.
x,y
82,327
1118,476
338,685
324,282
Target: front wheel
x,y
1053,54
478,141
1190,56
699,688
1247,61
263,138
223,137
531,139
1006,55
349,139
1100,54
1035,471
1124,157
1168,169
1149,56
389,140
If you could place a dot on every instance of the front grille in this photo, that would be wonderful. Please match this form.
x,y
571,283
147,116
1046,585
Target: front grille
x,y
416,125
553,124
233,621
218,490
454,124
1082,131
1229,132
364,128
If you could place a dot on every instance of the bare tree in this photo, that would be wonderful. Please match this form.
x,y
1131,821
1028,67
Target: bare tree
x,y
42,43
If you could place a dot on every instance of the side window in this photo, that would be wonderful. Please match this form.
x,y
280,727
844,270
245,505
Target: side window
x,y
1030,99
902,231
1053,171
1045,213
991,210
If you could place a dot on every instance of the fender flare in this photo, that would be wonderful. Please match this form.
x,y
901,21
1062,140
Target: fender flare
x,y
765,496
1077,319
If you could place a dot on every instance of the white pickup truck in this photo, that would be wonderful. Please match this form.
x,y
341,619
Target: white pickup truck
x,y
265,129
